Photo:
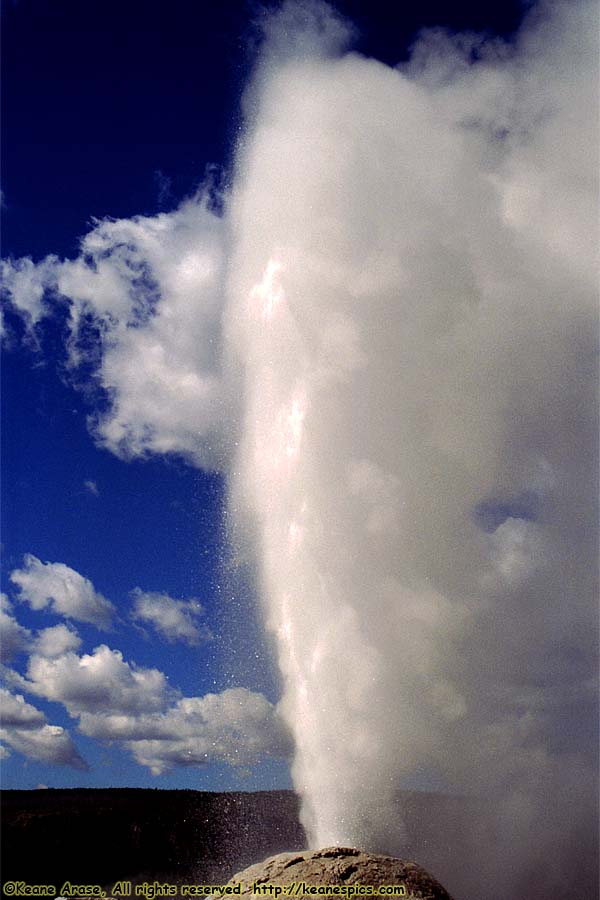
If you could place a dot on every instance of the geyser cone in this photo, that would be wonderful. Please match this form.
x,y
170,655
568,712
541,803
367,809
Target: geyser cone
x,y
339,866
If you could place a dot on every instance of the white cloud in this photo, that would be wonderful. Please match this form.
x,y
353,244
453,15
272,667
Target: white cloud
x,y
238,726
15,712
55,641
24,728
153,288
14,638
118,701
64,590
49,744
91,487
26,282
174,620
100,681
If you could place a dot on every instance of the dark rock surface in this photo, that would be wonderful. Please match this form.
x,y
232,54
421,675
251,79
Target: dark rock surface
x,y
341,866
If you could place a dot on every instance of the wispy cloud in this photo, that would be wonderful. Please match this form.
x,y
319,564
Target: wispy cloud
x,y
174,620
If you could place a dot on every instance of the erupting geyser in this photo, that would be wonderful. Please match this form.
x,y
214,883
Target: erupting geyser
x,y
396,314
412,310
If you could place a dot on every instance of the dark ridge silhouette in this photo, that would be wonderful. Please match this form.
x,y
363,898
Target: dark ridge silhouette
x,y
98,836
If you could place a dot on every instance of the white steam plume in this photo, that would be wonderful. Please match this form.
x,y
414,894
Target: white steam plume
x,y
414,311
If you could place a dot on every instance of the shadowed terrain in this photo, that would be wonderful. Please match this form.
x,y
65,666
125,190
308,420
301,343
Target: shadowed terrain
x,y
100,836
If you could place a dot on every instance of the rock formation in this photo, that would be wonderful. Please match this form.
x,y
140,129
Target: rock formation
x,y
338,866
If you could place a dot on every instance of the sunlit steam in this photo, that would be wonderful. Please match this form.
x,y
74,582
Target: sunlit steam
x,y
268,295
409,453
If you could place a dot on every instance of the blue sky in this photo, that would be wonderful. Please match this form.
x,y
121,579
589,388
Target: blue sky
x,y
110,110
120,110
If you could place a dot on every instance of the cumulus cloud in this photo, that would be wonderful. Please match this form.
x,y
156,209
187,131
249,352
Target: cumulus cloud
x,y
49,744
118,701
100,681
14,638
55,641
64,590
24,728
115,700
15,712
145,299
91,487
175,620
238,727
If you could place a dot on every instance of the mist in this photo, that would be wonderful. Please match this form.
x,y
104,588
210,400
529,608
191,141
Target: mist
x,y
388,344
412,305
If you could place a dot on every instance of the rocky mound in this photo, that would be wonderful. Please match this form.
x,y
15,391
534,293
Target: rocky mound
x,y
338,866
